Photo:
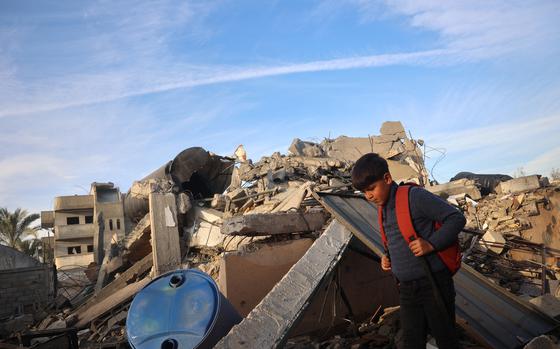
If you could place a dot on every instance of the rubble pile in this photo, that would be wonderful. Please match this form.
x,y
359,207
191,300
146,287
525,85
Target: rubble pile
x,y
382,330
247,224
512,232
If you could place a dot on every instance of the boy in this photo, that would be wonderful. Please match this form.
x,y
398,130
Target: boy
x,y
419,310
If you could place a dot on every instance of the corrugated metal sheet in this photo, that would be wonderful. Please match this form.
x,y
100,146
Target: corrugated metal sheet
x,y
487,311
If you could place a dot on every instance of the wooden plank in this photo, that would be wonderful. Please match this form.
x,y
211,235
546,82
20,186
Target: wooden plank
x,y
111,302
128,276
165,233
268,324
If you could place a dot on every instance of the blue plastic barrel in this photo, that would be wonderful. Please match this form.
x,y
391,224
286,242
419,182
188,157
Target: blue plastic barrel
x,y
182,309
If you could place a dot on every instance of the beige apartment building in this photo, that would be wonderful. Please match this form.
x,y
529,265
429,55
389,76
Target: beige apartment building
x,y
85,225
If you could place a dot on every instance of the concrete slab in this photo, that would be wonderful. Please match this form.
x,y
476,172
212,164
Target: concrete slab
x,y
274,223
393,128
520,184
269,323
302,148
488,240
460,186
165,233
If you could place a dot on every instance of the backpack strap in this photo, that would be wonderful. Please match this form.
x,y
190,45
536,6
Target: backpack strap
x,y
381,229
402,211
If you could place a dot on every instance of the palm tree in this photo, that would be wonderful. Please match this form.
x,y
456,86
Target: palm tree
x,y
15,226
30,247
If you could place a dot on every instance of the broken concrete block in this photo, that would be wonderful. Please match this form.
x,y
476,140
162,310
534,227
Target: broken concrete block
x,y
460,186
240,153
299,147
207,230
393,128
143,188
492,241
238,196
520,184
277,176
548,304
351,149
274,223
220,201
403,173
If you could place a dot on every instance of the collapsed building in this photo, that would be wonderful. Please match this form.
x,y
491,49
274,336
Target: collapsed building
x,y
294,250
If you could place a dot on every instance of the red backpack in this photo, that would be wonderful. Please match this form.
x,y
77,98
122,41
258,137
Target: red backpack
x,y
451,256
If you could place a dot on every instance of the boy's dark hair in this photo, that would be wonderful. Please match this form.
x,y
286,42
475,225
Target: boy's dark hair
x,y
368,169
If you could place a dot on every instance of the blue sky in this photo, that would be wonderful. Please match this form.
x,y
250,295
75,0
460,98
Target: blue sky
x,y
110,90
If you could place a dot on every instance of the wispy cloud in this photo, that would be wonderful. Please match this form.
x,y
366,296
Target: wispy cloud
x,y
484,27
544,163
493,135
128,56
110,87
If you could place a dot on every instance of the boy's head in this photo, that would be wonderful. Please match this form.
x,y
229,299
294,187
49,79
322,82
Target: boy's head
x,y
371,176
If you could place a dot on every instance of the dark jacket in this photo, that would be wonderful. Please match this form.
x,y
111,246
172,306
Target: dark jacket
x,y
425,209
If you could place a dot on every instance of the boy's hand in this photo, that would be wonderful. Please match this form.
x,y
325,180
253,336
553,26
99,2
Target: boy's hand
x,y
385,263
420,247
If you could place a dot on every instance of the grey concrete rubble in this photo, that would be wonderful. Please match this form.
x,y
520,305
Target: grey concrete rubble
x,y
274,223
299,147
248,223
520,184
461,186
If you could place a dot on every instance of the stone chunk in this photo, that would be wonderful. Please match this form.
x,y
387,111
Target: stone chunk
x,y
492,241
520,184
274,223
207,230
461,186
393,128
302,148
220,201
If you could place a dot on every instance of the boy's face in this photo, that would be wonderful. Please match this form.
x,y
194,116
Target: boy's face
x,y
378,191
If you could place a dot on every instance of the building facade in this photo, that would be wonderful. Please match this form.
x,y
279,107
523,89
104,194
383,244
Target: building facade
x,y
85,225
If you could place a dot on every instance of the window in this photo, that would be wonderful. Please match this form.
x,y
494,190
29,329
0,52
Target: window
x,y
74,249
72,220
110,224
90,248
118,224
89,219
